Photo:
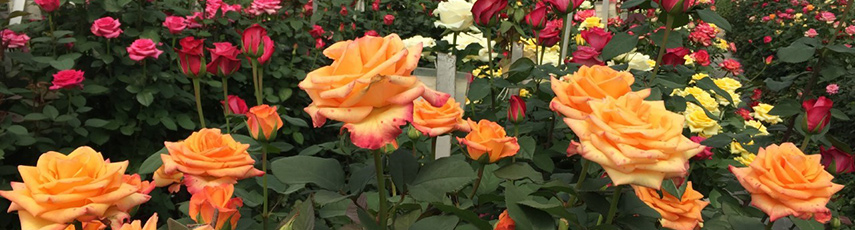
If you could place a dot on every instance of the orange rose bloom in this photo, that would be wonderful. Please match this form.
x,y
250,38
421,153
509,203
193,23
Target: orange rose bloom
x,y
216,199
572,92
490,138
161,178
263,121
784,181
637,142
505,222
78,186
434,121
678,214
369,87
208,157
204,227
151,224
92,225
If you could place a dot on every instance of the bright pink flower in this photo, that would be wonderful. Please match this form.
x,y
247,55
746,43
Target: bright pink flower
x,y
817,113
375,5
767,39
48,5
703,155
832,89
106,27
565,6
551,34
843,162
388,19
811,33
768,59
674,56
587,55
516,110
224,59
175,24
256,43
319,43
259,7
700,38
702,57
190,56
826,16
372,33
142,48
193,21
218,5
672,7
585,14
732,66
596,37
12,40
236,105
67,79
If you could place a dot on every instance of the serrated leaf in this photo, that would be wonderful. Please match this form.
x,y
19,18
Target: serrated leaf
x,y
439,177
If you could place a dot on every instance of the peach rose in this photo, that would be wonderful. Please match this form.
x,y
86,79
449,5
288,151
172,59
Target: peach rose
x,y
142,186
784,181
263,121
208,157
434,121
678,214
636,141
151,224
92,225
369,87
490,138
572,92
505,222
79,186
204,227
216,201
161,179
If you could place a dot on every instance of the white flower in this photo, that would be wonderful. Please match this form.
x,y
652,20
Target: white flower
x,y
465,39
636,61
586,5
425,41
455,15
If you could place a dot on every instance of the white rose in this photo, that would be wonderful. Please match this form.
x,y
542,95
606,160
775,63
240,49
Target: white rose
x,y
636,61
455,15
465,39
425,41
586,5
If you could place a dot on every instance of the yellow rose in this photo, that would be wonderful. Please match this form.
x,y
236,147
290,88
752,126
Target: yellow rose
x,y
636,141
524,93
79,186
733,95
580,41
704,97
757,125
208,157
783,181
591,22
761,112
572,92
737,149
680,214
722,44
699,122
745,159
699,76
369,87
728,84
689,60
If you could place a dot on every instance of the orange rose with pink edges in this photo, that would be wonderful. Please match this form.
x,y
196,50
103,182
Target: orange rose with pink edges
x,y
263,122
487,137
150,224
572,92
679,214
209,158
434,121
80,186
636,141
215,204
369,87
784,181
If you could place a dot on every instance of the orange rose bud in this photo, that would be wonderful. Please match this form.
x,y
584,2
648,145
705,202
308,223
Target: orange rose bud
x,y
79,186
369,86
434,121
216,202
263,121
487,137
636,141
516,111
678,214
572,92
505,222
784,181
209,158
151,224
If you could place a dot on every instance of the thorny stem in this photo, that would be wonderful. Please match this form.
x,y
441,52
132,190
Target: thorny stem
x,y
669,23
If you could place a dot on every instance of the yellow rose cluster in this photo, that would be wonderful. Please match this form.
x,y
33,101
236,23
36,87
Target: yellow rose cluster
x,y
696,116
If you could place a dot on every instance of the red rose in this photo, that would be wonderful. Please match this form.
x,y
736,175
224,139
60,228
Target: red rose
x,y
674,56
817,113
375,5
537,17
701,57
674,6
551,34
48,5
190,56
319,43
106,27
516,111
843,162
485,10
143,48
175,24
343,11
768,59
236,105
756,94
67,79
388,19
732,66
744,113
372,33
587,55
703,155
565,6
252,39
597,37
318,31
767,39
193,20
224,59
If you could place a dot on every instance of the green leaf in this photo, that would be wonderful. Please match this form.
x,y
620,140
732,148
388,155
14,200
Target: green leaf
x,y
839,48
674,40
35,117
520,70
839,115
674,189
718,141
324,197
436,223
440,177
785,82
553,207
466,215
796,53
526,217
713,17
62,64
631,4
185,122
323,172
17,130
806,224
168,123
304,215
518,171
145,98
153,162
527,147
479,89
97,123
745,223
173,224
95,89
403,168
786,107
621,43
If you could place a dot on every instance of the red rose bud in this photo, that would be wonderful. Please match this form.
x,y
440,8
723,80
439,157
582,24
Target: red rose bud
x,y
756,94
376,5
767,39
253,39
597,37
388,19
318,31
675,6
565,6
224,59
551,34
769,59
674,56
516,112
485,10
343,11
190,57
48,5
817,113
372,33
537,17
235,105
837,161
319,43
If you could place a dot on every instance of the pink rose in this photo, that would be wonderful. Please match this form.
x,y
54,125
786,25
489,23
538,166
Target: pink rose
x,y
214,5
767,39
811,33
67,79
175,24
236,105
12,40
48,5
582,15
259,7
106,27
832,89
826,17
142,48
372,33
224,59
597,37
388,19
587,55
703,155
850,30
193,20
732,66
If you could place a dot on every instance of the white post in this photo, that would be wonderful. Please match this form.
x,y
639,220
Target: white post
x,y
360,6
16,5
565,44
446,76
605,11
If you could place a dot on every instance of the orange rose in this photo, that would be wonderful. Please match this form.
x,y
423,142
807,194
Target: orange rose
x,y
161,178
142,186
490,138
92,225
505,222
204,227
79,186
208,157
216,201
151,224
434,121
637,142
572,92
263,121
369,88
784,181
679,214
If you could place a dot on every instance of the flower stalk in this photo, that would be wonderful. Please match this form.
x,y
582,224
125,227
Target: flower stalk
x,y
196,89
613,206
381,188
669,25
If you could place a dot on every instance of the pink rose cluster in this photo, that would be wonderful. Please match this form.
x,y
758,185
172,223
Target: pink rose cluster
x,y
703,34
